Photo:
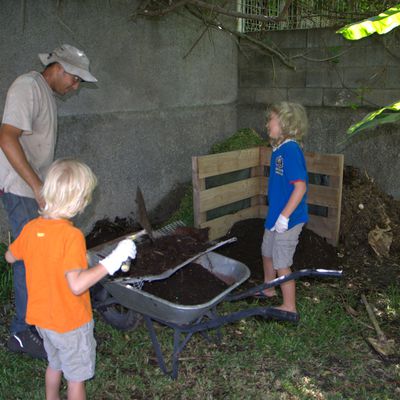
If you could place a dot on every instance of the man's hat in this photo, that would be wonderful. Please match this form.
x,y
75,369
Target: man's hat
x,y
73,60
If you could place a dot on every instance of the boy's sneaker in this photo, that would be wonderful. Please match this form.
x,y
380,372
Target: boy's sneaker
x,y
28,342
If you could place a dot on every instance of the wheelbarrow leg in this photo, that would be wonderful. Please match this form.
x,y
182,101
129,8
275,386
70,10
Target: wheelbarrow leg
x,y
212,314
178,347
156,344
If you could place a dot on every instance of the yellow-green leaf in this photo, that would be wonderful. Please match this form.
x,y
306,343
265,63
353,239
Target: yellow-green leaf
x,y
385,115
381,24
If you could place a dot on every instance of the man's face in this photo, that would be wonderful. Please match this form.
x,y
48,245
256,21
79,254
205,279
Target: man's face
x,y
65,82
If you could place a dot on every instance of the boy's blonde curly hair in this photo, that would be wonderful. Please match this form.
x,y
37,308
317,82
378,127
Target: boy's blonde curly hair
x,y
67,189
293,119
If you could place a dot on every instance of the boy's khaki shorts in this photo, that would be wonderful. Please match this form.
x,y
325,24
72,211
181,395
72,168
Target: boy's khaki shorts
x,y
281,246
73,353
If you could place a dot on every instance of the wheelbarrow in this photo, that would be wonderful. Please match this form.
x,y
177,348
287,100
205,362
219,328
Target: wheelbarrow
x,y
186,320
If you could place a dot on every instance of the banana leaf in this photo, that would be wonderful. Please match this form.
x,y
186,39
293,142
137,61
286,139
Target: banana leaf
x,y
381,24
385,115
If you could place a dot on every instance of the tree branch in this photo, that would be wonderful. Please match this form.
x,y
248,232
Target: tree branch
x,y
260,45
161,11
236,14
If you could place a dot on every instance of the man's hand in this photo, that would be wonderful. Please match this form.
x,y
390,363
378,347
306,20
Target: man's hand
x,y
38,197
281,224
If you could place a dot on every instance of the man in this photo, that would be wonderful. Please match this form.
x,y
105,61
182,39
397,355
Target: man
x,y
27,141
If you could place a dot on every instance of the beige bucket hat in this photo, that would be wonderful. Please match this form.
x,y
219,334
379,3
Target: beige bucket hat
x,y
73,60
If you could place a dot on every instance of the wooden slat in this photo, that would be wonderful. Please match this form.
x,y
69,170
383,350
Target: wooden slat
x,y
337,182
322,226
227,194
323,196
324,164
217,164
265,155
264,185
220,226
198,186
263,211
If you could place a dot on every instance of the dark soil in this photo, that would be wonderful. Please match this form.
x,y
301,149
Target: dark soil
x,y
183,286
167,252
364,208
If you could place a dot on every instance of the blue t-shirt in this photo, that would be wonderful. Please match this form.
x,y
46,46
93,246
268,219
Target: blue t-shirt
x,y
287,166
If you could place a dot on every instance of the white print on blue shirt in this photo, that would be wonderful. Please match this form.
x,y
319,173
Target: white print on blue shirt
x,y
279,165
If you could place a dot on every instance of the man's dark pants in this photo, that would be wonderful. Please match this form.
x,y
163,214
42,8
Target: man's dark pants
x,y
20,211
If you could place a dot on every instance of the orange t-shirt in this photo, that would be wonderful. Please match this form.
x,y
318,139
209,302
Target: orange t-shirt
x,y
50,248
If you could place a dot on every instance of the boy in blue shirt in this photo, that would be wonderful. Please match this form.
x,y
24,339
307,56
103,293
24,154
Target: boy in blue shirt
x,y
287,189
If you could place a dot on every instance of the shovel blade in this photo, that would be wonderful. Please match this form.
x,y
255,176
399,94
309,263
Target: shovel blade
x,y
143,217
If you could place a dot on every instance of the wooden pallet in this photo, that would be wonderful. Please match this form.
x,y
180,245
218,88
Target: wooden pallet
x,y
324,191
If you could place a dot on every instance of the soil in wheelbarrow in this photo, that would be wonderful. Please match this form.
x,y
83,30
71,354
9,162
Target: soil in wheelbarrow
x,y
364,209
183,286
166,252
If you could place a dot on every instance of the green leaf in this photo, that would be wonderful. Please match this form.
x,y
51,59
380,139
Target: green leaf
x,y
385,115
381,24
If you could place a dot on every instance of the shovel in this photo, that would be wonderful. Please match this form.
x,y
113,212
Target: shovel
x,y
143,217
145,224
383,346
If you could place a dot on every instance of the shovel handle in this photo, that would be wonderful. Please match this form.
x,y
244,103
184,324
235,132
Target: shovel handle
x,y
126,266
137,235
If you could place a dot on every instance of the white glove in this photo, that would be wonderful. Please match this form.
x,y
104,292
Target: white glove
x,y
281,224
125,249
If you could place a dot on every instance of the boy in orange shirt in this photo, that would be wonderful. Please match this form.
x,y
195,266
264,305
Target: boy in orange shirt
x,y
58,278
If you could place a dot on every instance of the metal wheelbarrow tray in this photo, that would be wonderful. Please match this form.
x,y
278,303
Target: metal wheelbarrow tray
x,y
232,272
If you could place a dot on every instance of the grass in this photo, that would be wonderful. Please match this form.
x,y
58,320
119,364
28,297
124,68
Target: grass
x,y
325,356
6,276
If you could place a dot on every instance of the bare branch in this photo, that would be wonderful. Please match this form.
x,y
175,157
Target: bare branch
x,y
261,46
161,11
236,14
152,8
144,11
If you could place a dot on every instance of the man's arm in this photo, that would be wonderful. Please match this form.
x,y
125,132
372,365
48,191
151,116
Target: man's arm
x,y
9,143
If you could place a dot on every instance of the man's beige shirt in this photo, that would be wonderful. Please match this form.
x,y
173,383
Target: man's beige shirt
x,y
31,107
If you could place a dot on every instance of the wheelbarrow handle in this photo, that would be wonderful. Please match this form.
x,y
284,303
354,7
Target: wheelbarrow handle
x,y
285,278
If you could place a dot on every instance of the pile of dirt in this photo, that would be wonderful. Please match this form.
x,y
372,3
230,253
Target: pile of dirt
x,y
364,208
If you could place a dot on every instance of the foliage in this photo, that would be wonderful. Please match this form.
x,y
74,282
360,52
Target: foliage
x,y
242,139
185,210
381,24
385,115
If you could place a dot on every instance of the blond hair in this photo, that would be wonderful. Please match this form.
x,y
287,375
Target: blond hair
x,y
67,189
292,118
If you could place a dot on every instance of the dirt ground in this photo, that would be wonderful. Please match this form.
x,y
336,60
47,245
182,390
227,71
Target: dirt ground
x,y
368,251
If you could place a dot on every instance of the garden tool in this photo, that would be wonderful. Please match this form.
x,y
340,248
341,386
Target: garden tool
x,y
382,345
143,217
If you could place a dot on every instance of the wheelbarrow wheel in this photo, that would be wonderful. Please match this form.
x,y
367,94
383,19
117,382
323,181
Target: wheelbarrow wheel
x,y
116,315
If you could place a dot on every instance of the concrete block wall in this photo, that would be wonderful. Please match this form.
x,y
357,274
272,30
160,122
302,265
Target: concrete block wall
x,y
339,82
158,101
